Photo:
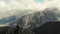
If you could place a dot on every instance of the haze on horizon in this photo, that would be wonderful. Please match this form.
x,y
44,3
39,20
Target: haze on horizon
x,y
7,5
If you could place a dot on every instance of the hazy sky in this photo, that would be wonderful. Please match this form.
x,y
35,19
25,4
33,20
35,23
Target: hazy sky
x,y
7,5
42,1
27,4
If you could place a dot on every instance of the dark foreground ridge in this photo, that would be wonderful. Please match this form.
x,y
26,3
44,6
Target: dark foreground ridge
x,y
15,30
47,28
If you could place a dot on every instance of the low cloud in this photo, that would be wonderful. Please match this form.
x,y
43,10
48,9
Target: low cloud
x,y
27,4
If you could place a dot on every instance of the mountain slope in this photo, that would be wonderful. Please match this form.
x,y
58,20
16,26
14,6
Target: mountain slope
x,y
38,18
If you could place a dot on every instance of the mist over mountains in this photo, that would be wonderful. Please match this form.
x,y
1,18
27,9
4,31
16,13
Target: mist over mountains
x,y
31,18
39,18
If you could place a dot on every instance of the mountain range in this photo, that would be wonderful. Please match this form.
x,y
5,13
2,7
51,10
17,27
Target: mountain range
x,y
32,18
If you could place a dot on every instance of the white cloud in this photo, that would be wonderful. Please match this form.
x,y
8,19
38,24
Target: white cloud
x,y
26,4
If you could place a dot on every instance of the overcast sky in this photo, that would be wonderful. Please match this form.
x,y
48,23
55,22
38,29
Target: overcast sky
x,y
27,4
7,5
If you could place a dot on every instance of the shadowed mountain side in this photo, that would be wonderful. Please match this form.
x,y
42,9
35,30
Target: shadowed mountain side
x,y
48,28
30,21
44,22
7,20
37,19
15,30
